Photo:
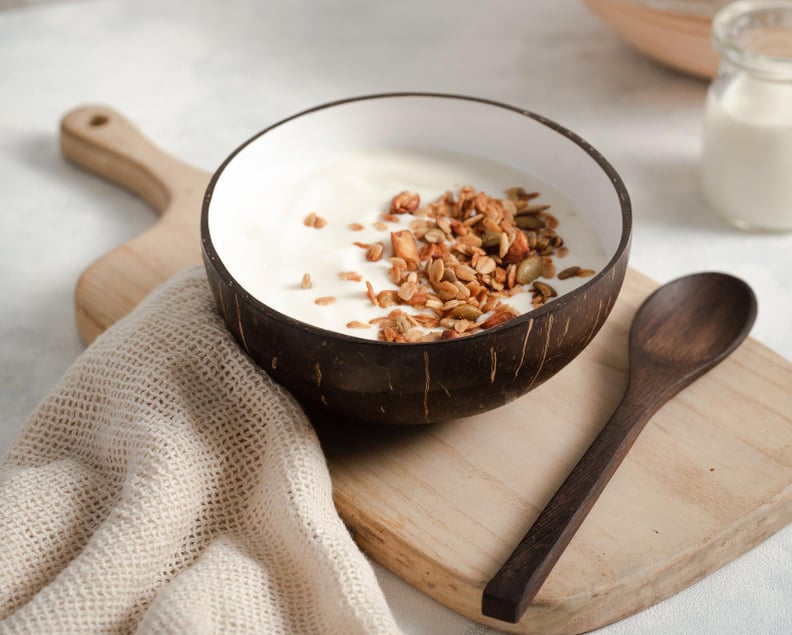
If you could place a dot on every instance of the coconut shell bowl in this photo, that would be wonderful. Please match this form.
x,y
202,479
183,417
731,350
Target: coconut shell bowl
x,y
303,229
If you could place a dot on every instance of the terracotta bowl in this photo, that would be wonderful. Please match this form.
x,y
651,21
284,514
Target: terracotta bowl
x,y
411,383
675,33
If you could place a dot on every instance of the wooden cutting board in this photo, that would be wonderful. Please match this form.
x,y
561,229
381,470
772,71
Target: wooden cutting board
x,y
443,505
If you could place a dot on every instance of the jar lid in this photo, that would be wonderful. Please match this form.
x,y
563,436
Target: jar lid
x,y
756,35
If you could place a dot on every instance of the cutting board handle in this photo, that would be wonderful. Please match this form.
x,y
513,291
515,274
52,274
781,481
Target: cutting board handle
x,y
104,142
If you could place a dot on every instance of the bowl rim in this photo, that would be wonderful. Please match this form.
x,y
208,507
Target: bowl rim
x,y
566,298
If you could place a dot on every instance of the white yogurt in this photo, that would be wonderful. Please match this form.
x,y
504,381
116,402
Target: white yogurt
x,y
269,248
747,155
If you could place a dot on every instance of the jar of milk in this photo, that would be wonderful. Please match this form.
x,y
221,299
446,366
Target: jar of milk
x,y
747,145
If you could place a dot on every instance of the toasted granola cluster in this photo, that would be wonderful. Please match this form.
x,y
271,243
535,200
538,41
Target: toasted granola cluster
x,y
461,259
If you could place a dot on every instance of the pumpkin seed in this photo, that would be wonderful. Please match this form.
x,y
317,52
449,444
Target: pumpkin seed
x,y
529,269
531,209
491,239
462,258
466,312
528,221
519,194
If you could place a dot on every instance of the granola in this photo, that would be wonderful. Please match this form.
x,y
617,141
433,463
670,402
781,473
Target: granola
x,y
457,261
462,257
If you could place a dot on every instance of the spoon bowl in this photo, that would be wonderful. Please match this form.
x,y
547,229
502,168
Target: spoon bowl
x,y
681,331
667,327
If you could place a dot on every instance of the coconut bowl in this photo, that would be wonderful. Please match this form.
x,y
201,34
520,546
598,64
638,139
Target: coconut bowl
x,y
352,377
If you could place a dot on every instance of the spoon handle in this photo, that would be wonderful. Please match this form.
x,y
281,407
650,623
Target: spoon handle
x,y
508,594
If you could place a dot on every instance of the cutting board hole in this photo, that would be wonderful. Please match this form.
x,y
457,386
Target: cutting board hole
x,y
98,120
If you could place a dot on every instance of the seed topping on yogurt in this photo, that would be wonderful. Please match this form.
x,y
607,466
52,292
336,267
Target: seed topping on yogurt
x,y
459,262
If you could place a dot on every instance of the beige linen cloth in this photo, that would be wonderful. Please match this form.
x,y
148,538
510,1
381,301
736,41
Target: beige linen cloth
x,y
168,485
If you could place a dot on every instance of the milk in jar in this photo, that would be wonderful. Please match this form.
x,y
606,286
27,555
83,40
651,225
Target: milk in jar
x,y
747,143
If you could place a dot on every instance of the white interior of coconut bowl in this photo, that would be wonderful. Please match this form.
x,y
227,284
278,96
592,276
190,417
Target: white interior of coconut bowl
x,y
346,162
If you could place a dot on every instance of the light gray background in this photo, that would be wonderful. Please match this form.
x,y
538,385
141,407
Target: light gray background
x,y
199,77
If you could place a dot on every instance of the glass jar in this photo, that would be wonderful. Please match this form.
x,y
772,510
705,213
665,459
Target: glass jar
x,y
747,145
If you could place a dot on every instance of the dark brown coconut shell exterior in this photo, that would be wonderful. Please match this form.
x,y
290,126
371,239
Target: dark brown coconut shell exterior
x,y
427,382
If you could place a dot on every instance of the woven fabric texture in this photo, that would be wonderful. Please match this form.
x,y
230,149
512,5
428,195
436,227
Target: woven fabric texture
x,y
168,485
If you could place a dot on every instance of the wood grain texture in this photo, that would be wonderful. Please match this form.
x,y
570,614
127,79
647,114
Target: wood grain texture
x,y
102,141
710,477
681,331
444,505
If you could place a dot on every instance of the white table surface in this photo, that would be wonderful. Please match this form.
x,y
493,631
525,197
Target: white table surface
x,y
201,76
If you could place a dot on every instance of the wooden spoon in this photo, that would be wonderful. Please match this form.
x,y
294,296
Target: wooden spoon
x,y
682,330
